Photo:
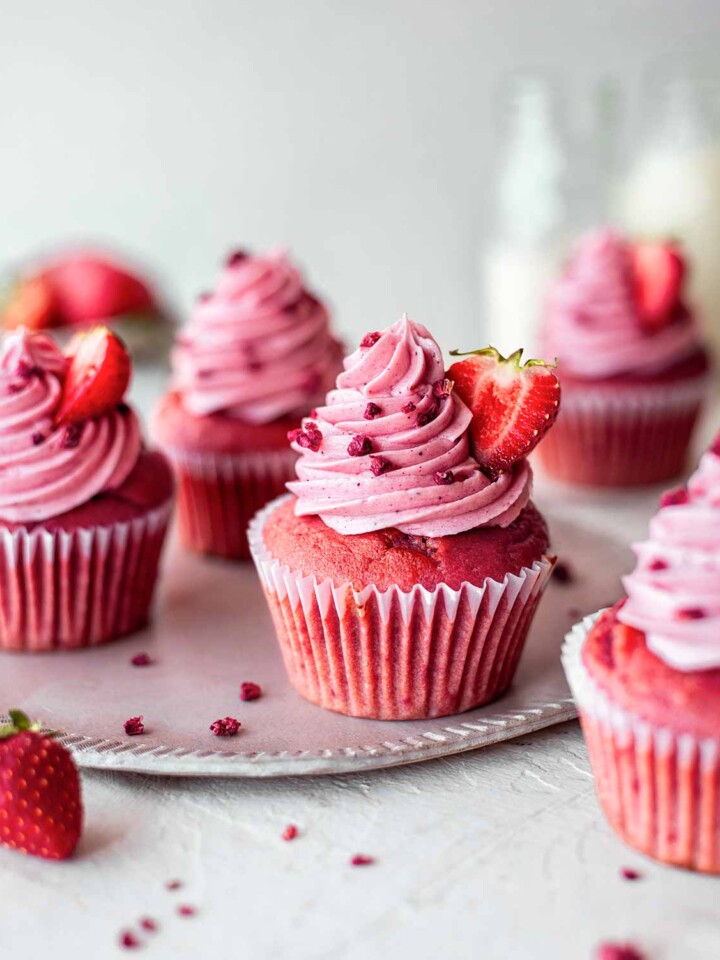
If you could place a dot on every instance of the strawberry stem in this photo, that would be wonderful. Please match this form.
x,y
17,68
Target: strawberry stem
x,y
19,722
515,358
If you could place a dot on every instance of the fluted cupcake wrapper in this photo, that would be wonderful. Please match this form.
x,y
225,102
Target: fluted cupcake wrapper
x,y
623,436
394,655
219,494
660,789
62,590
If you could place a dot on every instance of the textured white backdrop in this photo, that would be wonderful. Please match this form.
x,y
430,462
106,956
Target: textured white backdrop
x,y
359,133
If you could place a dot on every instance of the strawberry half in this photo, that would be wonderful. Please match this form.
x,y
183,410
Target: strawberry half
x,y
513,405
97,376
40,805
658,272
31,304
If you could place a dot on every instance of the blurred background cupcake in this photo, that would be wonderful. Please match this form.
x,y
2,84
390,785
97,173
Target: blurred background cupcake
x,y
631,361
256,354
646,679
73,290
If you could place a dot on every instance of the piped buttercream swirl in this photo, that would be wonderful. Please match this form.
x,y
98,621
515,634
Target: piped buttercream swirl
x,y
259,347
390,447
674,591
46,471
591,320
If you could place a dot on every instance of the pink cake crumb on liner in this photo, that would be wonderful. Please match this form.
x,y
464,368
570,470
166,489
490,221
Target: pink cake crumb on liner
x,y
617,436
70,589
660,789
394,655
218,494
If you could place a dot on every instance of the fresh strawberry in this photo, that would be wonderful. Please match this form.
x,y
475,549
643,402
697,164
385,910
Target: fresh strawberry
x,y
30,304
658,273
90,289
513,404
40,805
97,376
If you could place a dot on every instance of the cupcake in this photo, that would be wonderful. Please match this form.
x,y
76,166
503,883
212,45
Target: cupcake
x,y
83,505
403,570
256,354
83,288
646,679
632,364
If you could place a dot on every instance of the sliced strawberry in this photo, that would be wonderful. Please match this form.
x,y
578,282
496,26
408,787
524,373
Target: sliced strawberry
x,y
513,404
91,289
40,803
31,304
658,274
97,377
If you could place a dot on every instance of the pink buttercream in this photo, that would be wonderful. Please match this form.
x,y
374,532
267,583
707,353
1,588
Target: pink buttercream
x,y
674,592
393,449
591,321
259,347
44,472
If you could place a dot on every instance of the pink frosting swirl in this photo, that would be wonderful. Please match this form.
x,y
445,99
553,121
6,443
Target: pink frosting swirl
x,y
591,321
259,347
674,591
390,447
44,471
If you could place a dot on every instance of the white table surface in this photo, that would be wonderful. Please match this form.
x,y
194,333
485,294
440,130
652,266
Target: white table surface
x,y
500,854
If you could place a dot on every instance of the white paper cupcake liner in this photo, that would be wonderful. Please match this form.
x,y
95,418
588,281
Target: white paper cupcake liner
x,y
218,494
660,789
62,590
397,655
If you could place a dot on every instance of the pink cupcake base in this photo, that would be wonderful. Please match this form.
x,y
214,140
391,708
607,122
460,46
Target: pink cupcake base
x,y
68,589
660,789
619,436
390,655
219,494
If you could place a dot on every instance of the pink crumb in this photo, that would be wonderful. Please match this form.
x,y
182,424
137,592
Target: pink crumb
x,y
128,940
147,923
134,726
618,951
173,885
250,691
290,832
361,860
185,910
628,873
141,660
226,727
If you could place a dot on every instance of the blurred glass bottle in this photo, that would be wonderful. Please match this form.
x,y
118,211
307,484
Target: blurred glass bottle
x,y
524,252
672,185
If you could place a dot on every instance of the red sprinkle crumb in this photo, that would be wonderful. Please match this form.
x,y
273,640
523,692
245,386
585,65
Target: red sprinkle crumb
x,y
147,923
236,257
173,885
250,691
427,416
618,951
227,727
37,439
442,478
128,940
372,410
72,436
627,873
443,388
674,498
562,573
379,465
141,660
657,565
290,832
309,439
691,613
360,446
134,726
409,407
361,860
370,339
185,910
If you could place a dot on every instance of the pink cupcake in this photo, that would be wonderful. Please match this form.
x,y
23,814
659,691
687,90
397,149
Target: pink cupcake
x,y
646,679
401,579
83,505
632,364
256,354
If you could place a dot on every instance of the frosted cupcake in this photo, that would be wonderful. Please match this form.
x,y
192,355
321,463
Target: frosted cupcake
x,y
83,506
401,578
646,679
632,364
256,355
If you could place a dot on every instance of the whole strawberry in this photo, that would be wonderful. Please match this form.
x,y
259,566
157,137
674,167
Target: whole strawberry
x,y
40,805
513,404
90,288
